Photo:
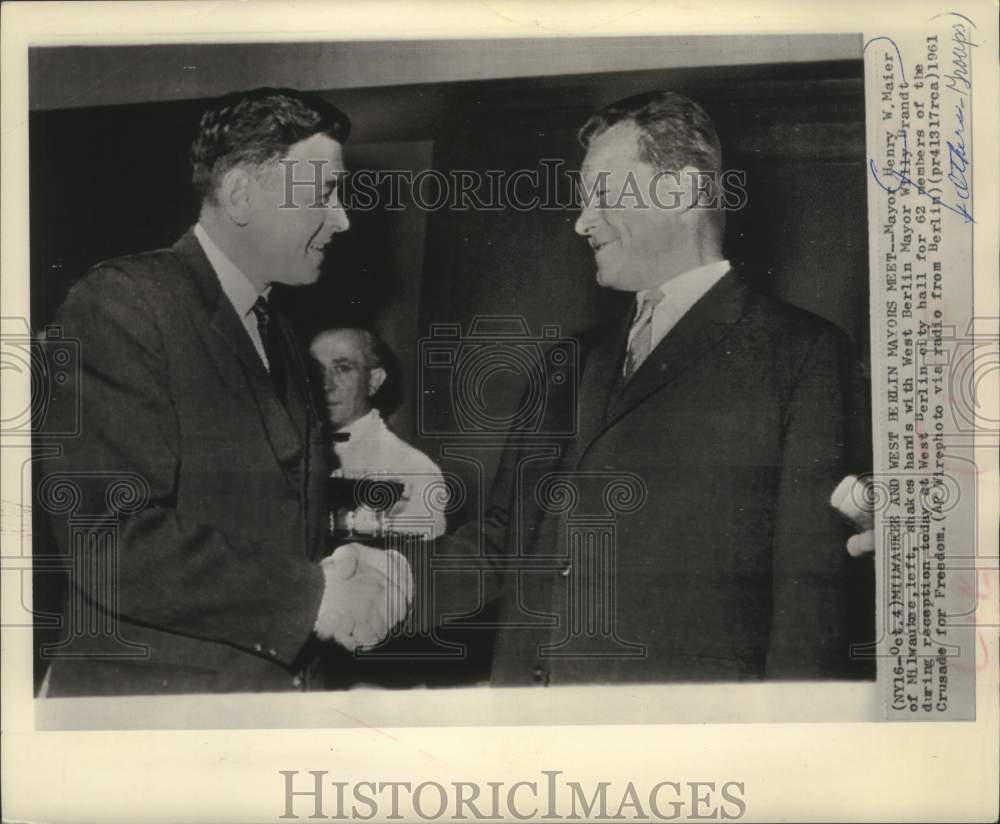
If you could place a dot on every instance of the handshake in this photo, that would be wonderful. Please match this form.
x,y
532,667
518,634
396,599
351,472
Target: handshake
x,y
368,592
853,499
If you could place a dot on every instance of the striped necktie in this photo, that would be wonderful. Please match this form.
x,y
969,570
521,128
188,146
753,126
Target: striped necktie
x,y
641,337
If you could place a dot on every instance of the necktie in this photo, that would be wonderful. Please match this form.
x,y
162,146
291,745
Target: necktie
x,y
641,337
270,336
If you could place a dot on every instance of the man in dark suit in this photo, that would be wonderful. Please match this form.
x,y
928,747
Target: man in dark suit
x,y
196,484
684,532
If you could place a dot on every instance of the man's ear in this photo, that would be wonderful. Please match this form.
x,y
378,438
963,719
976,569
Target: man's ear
x,y
670,193
698,188
236,196
376,377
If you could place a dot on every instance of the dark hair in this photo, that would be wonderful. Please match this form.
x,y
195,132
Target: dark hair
x,y
674,131
255,127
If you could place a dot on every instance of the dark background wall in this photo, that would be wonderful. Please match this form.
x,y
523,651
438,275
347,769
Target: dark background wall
x,y
112,179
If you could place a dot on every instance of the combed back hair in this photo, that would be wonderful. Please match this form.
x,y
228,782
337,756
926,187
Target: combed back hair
x,y
374,347
674,131
256,127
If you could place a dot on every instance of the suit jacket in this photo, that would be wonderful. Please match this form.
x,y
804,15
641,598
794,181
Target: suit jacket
x,y
206,491
684,532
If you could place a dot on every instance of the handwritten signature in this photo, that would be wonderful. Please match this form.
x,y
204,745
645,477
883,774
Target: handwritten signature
x,y
959,82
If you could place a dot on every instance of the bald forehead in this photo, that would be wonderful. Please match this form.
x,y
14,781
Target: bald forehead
x,y
339,345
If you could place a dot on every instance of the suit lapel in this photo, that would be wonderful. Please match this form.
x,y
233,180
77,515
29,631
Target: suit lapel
x,y
598,380
304,414
224,323
300,400
701,330
238,361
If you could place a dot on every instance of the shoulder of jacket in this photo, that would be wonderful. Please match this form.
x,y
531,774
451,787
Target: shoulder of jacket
x,y
153,276
789,320
152,267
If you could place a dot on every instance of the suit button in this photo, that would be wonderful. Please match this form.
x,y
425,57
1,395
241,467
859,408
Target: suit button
x,y
297,681
273,653
258,647
566,570
538,674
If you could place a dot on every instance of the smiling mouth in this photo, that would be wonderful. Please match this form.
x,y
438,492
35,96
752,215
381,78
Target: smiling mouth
x,y
317,244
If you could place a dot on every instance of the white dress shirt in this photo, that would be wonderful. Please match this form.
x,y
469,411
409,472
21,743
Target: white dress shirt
x,y
374,451
236,286
680,293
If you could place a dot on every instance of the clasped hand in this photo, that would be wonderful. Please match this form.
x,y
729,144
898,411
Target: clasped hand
x,y
368,592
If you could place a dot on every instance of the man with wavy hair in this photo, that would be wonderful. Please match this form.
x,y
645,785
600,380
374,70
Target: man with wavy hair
x,y
192,388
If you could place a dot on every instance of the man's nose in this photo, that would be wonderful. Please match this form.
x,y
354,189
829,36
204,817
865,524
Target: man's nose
x,y
336,218
585,223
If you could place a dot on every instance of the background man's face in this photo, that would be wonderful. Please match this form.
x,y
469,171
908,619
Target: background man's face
x,y
289,227
633,234
348,381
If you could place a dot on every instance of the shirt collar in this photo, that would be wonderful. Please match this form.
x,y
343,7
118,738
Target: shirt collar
x,y
237,287
364,427
676,288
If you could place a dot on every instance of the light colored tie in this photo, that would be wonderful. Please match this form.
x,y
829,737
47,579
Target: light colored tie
x,y
641,337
